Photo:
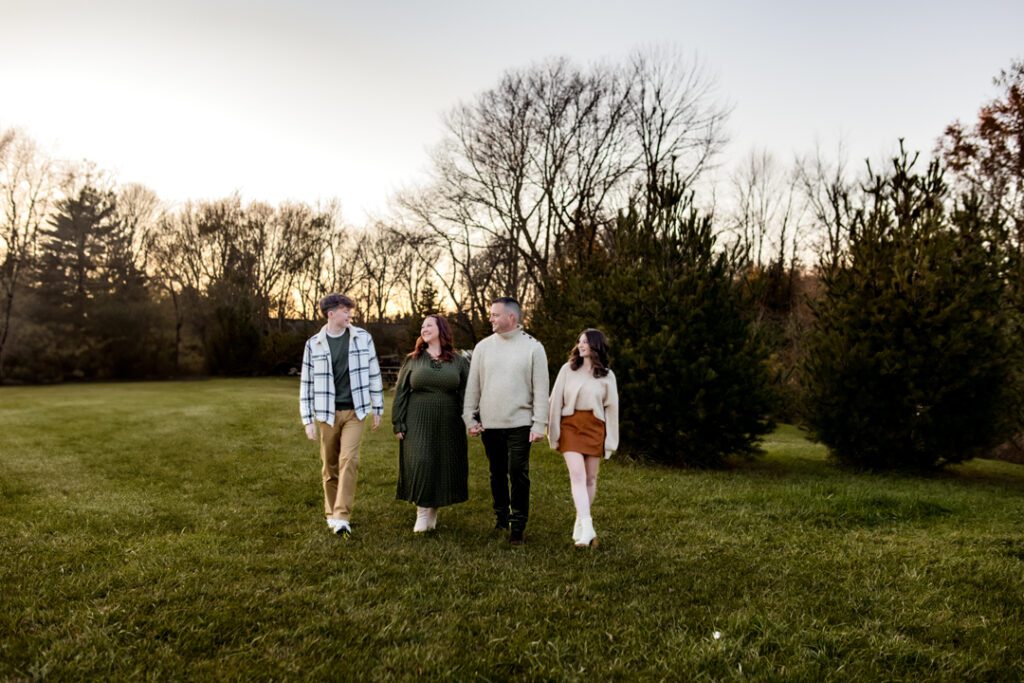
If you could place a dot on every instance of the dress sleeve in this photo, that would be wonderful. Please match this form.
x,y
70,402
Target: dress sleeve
x,y
611,416
463,366
400,407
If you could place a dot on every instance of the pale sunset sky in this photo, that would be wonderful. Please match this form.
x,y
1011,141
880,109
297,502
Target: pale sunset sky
x,y
312,99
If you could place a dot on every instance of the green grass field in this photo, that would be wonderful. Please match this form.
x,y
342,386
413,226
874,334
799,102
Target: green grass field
x,y
174,531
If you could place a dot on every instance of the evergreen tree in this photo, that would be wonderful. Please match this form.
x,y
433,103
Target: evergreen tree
x,y
692,376
427,304
71,272
74,251
909,363
91,294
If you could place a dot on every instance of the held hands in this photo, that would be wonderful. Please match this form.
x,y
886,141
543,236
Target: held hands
x,y
400,435
477,430
311,431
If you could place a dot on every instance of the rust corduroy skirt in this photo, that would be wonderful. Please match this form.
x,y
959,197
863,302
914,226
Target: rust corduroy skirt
x,y
583,433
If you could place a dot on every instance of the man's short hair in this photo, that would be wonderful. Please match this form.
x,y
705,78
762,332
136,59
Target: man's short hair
x,y
511,305
332,301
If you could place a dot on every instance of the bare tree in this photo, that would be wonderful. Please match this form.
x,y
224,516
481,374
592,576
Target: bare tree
x,y
533,170
222,251
767,210
280,242
385,259
302,235
677,124
330,264
139,210
464,278
170,247
828,190
26,193
424,262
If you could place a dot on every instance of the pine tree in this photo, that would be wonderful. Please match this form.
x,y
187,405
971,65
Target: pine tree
x,y
692,376
427,303
92,294
74,252
71,275
910,360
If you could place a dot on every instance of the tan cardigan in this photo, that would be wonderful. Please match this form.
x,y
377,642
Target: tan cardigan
x,y
580,390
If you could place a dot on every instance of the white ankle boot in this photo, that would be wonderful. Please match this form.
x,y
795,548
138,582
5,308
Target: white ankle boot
x,y
422,520
587,537
431,518
576,529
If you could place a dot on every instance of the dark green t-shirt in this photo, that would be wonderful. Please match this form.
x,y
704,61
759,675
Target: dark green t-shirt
x,y
342,382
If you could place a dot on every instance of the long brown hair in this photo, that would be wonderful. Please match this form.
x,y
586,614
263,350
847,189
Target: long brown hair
x,y
598,352
444,334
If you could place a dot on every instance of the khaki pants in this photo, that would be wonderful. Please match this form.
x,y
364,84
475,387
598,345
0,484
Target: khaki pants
x,y
339,449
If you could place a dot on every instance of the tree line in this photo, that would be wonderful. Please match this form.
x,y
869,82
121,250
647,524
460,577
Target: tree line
x,y
817,293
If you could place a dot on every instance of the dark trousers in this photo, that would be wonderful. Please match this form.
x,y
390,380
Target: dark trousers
x,y
508,451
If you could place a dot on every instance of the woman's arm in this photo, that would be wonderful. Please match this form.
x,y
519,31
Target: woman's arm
x,y
611,416
400,408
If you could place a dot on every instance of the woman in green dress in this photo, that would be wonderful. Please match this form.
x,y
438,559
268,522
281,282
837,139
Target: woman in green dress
x,y
433,461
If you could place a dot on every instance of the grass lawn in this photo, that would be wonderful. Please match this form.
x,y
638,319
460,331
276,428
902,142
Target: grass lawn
x,y
174,531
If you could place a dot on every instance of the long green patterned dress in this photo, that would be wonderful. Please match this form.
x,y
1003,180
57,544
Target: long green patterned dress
x,y
433,461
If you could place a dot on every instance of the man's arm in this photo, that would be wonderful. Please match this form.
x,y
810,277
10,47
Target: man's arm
x,y
306,408
541,383
376,384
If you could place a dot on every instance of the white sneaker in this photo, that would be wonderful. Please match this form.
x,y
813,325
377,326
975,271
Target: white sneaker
x,y
576,529
342,528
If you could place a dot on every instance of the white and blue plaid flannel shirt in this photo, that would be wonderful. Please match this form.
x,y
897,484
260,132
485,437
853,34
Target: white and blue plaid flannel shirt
x,y
316,390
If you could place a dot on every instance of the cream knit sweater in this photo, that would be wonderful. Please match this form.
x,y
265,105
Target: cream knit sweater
x,y
580,390
508,383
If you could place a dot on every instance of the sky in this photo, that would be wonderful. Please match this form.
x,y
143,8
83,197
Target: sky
x,y
311,100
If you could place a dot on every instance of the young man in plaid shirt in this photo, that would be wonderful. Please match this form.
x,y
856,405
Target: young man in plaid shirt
x,y
341,385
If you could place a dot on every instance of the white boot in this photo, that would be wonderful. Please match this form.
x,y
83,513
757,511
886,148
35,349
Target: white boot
x,y
576,529
431,519
587,537
422,520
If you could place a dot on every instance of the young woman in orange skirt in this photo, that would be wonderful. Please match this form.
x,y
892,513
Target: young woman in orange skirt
x,y
583,424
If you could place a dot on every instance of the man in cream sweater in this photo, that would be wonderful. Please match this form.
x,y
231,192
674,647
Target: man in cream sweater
x,y
506,403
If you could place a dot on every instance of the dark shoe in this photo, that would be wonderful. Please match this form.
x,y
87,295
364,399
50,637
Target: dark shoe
x,y
516,537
